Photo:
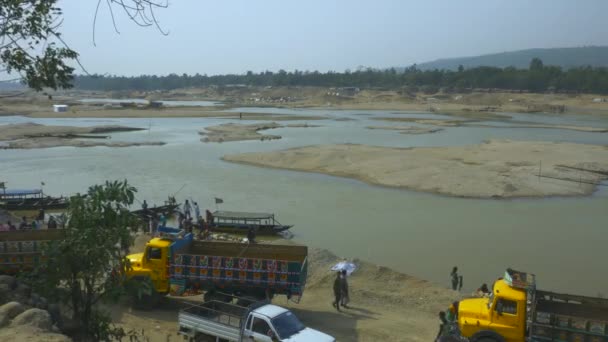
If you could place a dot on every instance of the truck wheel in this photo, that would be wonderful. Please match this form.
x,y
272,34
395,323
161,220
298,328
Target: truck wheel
x,y
487,336
146,302
247,301
204,338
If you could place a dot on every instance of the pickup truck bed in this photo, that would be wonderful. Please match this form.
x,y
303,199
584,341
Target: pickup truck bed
x,y
212,318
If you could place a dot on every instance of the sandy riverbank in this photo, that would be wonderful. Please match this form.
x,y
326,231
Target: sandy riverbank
x,y
476,104
474,123
43,109
240,132
495,169
31,135
407,129
385,305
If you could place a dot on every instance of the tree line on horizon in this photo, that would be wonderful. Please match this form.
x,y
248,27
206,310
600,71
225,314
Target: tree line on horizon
x,y
537,78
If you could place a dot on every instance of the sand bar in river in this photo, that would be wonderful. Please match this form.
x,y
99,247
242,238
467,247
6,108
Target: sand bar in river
x,y
495,169
32,135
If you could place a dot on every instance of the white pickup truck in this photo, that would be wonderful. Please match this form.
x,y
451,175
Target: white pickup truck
x,y
260,322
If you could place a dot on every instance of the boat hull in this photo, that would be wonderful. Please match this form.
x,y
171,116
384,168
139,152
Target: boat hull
x,y
35,204
166,210
243,229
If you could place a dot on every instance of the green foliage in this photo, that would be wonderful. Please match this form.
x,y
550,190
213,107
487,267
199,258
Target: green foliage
x,y
26,28
536,64
86,266
538,77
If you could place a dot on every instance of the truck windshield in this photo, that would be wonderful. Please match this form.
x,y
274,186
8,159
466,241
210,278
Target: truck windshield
x,y
287,324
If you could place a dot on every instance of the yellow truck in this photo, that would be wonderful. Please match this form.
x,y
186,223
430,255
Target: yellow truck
x,y
178,265
516,311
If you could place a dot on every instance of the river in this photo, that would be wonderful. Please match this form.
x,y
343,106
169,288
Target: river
x,y
562,240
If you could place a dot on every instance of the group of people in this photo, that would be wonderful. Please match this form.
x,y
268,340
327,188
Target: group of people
x,y
188,219
341,290
35,224
457,280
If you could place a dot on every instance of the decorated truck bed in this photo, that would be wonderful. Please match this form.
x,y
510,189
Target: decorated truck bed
x,y
254,270
22,250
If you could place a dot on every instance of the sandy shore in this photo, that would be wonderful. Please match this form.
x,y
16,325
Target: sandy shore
x,y
61,142
31,135
385,305
473,123
433,122
240,132
495,169
479,104
564,127
407,129
42,109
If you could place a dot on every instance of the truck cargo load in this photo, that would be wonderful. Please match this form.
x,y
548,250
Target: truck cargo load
x,y
177,264
22,250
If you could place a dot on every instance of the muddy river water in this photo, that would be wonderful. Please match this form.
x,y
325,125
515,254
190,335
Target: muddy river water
x,y
563,240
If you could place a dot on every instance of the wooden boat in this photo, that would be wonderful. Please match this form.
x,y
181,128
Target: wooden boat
x,y
167,210
241,222
30,199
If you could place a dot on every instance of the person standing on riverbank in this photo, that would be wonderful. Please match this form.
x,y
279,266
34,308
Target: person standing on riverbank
x,y
187,210
197,212
455,278
344,297
337,291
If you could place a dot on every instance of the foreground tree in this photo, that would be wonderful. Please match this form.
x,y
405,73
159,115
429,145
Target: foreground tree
x,y
28,44
85,268
32,49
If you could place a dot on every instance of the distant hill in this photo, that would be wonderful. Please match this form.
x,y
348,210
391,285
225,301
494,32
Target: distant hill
x,y
565,57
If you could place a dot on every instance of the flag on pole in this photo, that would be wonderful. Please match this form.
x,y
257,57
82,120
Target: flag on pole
x,y
218,200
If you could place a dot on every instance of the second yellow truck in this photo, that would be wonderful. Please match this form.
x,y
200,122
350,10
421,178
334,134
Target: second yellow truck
x,y
516,311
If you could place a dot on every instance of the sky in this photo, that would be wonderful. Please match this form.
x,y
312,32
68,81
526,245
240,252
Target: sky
x,y
234,36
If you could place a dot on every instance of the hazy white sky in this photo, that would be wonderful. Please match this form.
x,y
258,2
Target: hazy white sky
x,y
233,36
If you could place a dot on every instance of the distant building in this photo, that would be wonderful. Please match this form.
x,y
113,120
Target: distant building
x,y
60,108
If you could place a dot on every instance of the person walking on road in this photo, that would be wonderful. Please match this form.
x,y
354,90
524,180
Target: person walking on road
x,y
337,291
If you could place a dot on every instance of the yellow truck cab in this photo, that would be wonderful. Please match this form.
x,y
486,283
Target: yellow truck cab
x,y
152,264
516,311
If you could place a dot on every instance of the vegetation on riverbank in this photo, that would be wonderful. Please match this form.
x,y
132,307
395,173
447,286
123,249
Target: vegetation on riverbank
x,y
536,78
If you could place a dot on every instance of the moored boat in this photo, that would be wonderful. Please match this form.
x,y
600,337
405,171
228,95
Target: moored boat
x,y
167,210
241,222
30,199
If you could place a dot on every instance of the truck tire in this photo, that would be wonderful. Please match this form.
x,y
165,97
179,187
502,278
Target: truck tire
x,y
247,301
200,337
146,302
487,336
